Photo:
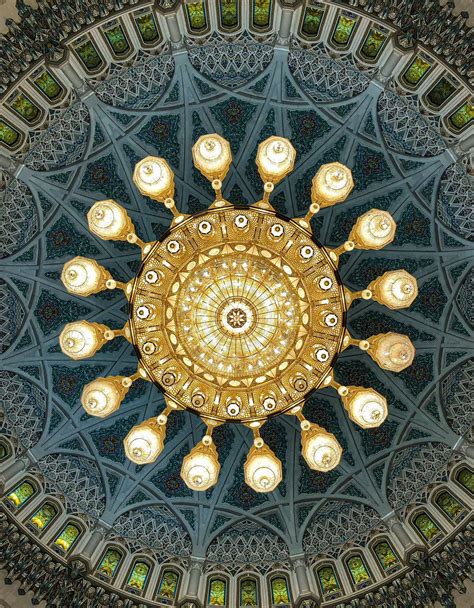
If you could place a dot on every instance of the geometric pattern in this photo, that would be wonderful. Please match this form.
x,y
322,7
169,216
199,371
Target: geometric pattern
x,y
454,203
12,315
19,218
464,299
458,391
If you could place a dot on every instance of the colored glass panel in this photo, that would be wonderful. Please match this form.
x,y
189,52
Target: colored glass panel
x,y
344,29
386,556
248,593
328,581
450,505
261,12
44,516
373,44
3,452
358,570
147,27
459,120
109,564
228,13
168,585
196,15
217,591
441,92
280,594
21,494
416,71
67,538
312,21
48,85
427,526
88,54
138,576
117,40
8,135
23,106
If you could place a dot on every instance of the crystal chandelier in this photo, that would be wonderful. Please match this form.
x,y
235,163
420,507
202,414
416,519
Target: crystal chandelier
x,y
238,313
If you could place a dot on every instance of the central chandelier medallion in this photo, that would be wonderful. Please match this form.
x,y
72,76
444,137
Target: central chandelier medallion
x,y
238,313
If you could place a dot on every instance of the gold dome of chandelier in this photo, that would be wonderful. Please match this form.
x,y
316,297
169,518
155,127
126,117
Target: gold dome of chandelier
x,y
237,313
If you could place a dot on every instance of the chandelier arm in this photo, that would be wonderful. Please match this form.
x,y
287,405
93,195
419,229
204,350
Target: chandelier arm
x,y
336,253
350,296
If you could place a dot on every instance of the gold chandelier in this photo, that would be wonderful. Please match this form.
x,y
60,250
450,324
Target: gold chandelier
x,y
238,313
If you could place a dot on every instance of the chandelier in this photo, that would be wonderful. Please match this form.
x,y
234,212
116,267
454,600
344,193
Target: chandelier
x,y
238,313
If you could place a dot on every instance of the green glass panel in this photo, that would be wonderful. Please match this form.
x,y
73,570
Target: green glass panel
x,y
386,555
312,21
358,570
48,85
88,55
465,476
44,516
147,27
280,593
8,135
344,29
426,526
416,70
217,591
228,13
138,576
328,580
373,44
23,106
109,563
3,452
460,119
196,15
168,585
261,12
117,40
450,505
21,494
248,593
67,538
441,92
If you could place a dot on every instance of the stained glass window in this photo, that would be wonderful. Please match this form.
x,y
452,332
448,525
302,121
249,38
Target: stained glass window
x,y
117,40
217,592
329,583
24,107
196,15
386,556
417,70
313,17
280,593
21,494
168,585
441,92
427,527
450,505
8,134
109,563
359,573
248,593
147,27
373,44
48,85
460,119
262,10
67,538
345,27
4,452
88,55
228,13
44,516
138,576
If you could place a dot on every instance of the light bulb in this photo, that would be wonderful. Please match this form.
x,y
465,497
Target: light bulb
x,y
373,230
332,184
262,469
394,352
154,178
396,289
275,159
320,449
200,468
212,156
84,277
103,396
365,406
82,339
109,221
144,442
